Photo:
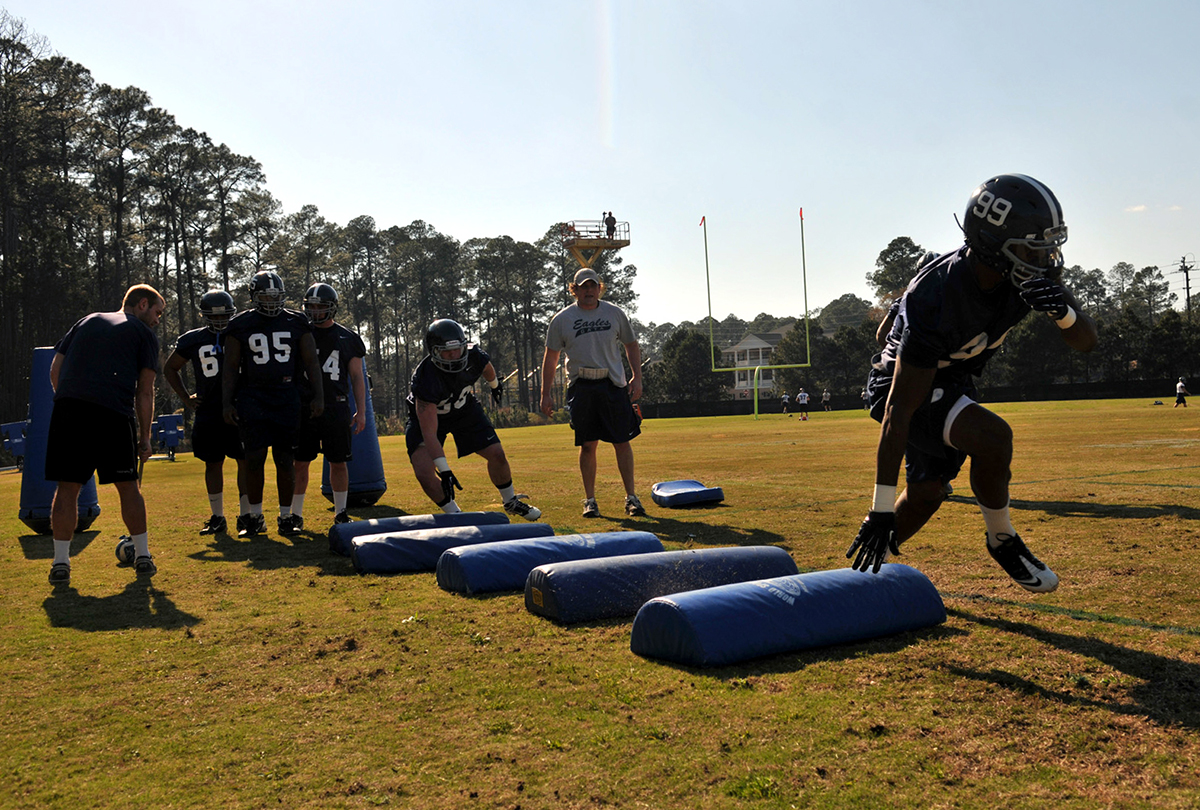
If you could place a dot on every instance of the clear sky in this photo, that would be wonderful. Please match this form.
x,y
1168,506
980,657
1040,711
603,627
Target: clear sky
x,y
878,118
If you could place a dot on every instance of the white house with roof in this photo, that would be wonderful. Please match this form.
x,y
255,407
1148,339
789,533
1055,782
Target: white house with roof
x,y
755,349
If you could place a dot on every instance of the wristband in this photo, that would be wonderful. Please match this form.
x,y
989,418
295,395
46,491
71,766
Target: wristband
x,y
441,464
1068,320
494,382
884,498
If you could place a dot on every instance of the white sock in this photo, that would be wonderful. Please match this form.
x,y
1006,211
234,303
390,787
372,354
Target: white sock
x,y
141,545
997,522
285,509
62,552
339,501
244,505
450,508
255,508
216,502
298,504
507,493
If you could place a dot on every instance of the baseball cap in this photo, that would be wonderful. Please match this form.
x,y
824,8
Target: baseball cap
x,y
586,275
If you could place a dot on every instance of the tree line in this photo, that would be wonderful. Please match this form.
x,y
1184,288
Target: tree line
x,y
100,189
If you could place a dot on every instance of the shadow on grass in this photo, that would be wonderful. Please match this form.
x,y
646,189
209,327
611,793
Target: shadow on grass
x,y
1119,511
698,530
139,606
308,549
1169,693
41,546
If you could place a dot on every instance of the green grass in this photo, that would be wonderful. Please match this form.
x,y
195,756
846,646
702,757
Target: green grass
x,y
266,673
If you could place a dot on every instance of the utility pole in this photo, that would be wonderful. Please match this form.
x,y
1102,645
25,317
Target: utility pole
x,y
1185,268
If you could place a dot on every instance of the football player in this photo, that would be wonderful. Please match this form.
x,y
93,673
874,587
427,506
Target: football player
x,y
952,318
441,402
266,350
212,439
340,355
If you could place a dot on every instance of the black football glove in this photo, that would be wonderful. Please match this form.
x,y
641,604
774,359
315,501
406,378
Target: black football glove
x,y
498,392
449,482
1044,295
876,539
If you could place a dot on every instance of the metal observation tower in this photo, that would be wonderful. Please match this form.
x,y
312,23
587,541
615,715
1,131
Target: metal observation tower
x,y
587,239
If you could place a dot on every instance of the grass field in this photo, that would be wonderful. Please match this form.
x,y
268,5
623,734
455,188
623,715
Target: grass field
x,y
266,673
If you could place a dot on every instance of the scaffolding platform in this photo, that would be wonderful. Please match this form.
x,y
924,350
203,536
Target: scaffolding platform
x,y
586,239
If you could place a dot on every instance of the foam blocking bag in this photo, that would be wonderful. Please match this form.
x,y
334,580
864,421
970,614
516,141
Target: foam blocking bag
x,y
674,494
589,590
342,533
732,623
418,550
505,566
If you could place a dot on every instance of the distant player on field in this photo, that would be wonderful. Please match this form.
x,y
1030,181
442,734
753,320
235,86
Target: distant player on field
x,y
952,318
1181,394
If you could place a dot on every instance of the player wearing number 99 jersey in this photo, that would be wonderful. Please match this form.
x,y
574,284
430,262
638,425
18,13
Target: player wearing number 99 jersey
x,y
266,350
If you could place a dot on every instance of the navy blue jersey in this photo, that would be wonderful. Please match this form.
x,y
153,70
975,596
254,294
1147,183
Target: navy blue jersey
x,y
450,392
270,347
103,356
206,351
336,347
946,321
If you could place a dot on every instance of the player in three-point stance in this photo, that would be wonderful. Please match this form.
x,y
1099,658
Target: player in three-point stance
x,y
340,355
952,318
266,349
441,402
212,439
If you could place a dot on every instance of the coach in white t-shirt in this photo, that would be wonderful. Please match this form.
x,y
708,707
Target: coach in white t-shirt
x,y
599,397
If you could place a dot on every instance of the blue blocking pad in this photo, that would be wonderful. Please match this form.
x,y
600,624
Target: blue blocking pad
x,y
505,566
732,623
342,533
589,590
673,494
418,550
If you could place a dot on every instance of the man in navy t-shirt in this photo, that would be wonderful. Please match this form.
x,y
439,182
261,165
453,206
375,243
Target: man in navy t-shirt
x,y
103,378
952,318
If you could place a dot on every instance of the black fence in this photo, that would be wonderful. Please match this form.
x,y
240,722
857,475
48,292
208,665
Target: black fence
x,y
1150,390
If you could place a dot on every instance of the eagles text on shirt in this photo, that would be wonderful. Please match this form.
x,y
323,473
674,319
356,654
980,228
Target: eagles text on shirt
x,y
582,326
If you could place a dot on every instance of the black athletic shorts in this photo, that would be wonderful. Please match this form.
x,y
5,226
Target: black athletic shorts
x,y
330,433
472,431
86,438
268,417
215,440
927,457
600,411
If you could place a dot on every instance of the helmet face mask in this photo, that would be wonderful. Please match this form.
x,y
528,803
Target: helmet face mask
x,y
446,343
320,303
1014,225
216,308
266,291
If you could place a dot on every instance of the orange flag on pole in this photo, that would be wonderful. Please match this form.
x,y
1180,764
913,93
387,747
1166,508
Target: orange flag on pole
x,y
701,220
801,213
